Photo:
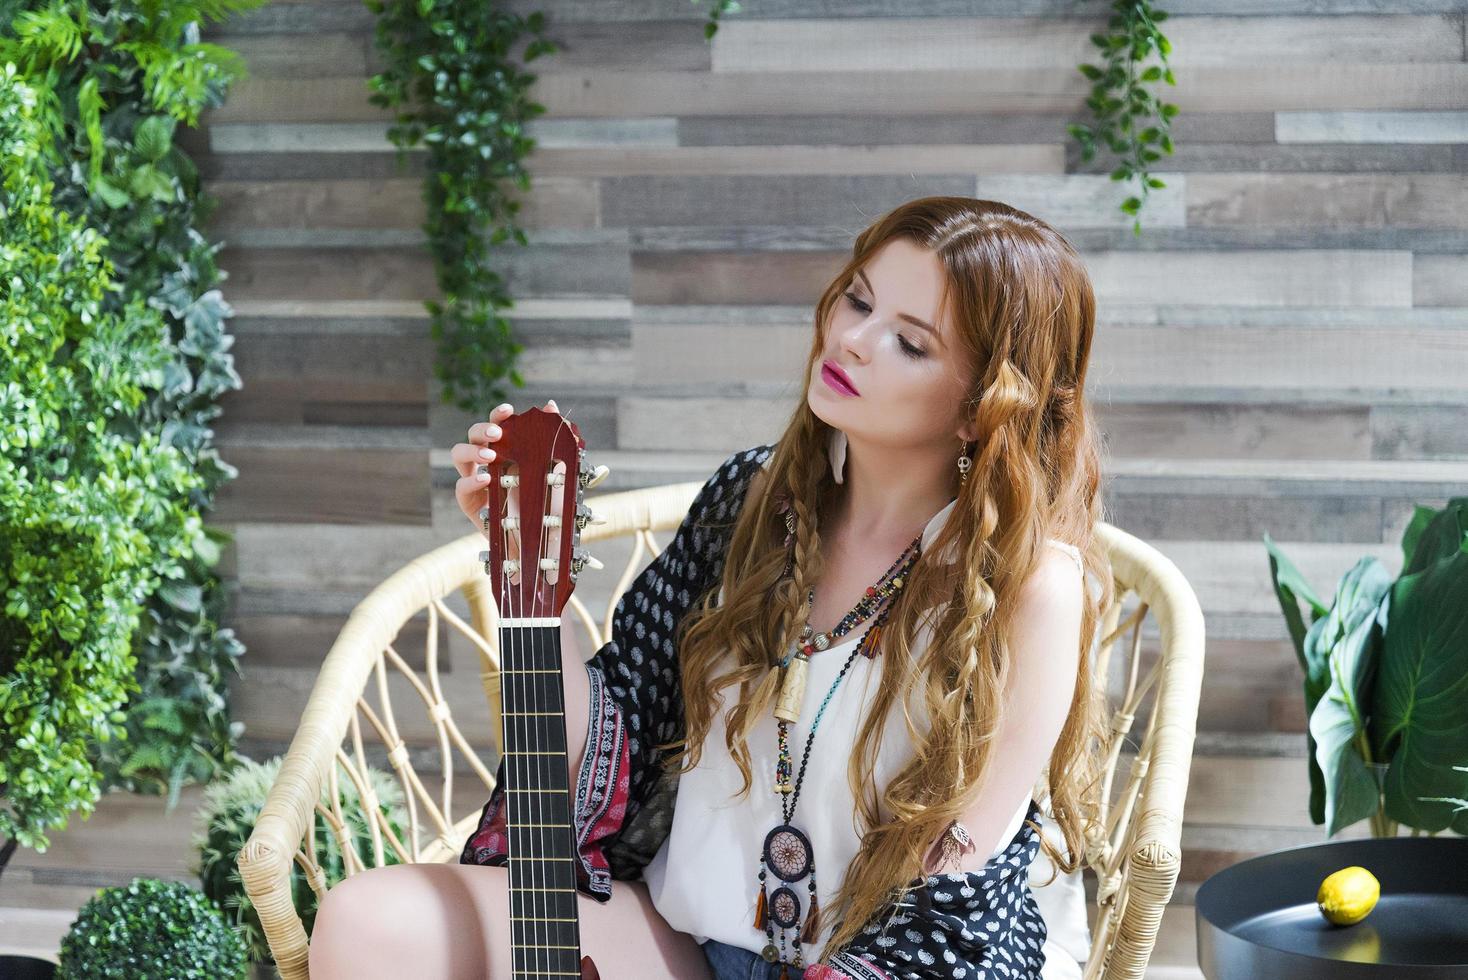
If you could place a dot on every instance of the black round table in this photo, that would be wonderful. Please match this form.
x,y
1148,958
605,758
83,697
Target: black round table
x,y
1257,920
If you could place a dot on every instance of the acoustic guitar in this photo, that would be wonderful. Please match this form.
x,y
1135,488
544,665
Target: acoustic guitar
x,y
539,455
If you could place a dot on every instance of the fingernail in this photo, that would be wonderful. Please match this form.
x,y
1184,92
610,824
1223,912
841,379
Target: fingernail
x,y
481,477
486,454
495,430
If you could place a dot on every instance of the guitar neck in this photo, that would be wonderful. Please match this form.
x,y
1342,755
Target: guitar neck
x,y
544,927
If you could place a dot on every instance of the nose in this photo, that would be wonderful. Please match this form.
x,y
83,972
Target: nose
x,y
857,337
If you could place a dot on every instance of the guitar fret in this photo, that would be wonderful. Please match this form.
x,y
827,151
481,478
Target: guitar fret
x,y
545,946
536,918
539,858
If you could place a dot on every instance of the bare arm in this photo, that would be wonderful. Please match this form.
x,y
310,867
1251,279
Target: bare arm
x,y
1046,648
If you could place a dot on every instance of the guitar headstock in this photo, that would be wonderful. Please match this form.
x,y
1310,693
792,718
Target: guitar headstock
x,y
542,456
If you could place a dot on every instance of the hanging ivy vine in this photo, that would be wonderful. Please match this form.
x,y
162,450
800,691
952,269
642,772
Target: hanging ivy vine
x,y
719,9
460,94
1130,119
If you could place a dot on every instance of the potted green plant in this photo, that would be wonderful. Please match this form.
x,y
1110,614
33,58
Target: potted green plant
x,y
1387,739
226,818
151,930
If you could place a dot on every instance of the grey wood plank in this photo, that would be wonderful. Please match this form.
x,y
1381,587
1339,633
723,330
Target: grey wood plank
x,y
909,44
1420,432
855,127
366,137
316,16
637,10
314,485
319,54
845,201
1328,200
1440,280
1372,127
1282,430
317,204
271,276
378,160
1440,85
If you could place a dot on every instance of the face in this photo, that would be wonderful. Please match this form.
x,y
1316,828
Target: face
x,y
910,381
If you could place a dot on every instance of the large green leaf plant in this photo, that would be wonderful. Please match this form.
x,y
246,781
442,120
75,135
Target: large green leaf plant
x,y
1386,681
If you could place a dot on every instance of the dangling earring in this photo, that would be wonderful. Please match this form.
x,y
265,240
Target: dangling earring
x,y
836,450
964,465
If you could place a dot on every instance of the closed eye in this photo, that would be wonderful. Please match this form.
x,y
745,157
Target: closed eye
x,y
913,352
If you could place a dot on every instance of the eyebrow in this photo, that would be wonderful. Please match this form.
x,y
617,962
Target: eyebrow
x,y
904,316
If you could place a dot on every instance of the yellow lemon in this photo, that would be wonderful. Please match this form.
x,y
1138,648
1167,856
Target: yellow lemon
x,y
1348,896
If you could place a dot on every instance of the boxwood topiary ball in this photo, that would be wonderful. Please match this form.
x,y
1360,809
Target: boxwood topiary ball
x,y
151,930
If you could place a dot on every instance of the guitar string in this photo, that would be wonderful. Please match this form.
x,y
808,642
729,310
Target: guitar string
x,y
557,695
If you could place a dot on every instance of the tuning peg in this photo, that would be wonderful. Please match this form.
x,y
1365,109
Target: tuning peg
x,y
583,559
591,479
585,516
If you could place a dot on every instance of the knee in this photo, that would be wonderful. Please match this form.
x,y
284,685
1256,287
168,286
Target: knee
x,y
357,906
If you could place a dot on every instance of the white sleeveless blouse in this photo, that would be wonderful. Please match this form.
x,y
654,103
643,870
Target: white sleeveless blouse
x,y
704,879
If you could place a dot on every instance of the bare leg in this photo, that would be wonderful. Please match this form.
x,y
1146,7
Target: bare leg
x,y
449,921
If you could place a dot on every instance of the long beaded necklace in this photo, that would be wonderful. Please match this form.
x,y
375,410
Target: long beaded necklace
x,y
787,850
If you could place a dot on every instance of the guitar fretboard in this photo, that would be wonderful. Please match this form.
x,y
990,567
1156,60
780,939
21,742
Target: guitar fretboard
x,y
544,931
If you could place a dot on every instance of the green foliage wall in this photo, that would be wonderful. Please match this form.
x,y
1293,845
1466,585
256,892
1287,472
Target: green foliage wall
x,y
113,81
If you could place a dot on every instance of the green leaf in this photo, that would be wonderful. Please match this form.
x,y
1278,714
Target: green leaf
x,y
1348,642
1419,721
1439,535
154,137
1290,588
112,196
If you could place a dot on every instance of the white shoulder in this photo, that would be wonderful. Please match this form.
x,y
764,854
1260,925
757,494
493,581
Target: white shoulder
x,y
1071,550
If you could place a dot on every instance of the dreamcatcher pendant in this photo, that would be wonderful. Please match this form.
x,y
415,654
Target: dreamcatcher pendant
x,y
788,855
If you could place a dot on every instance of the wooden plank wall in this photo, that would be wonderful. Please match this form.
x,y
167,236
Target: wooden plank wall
x,y
1283,349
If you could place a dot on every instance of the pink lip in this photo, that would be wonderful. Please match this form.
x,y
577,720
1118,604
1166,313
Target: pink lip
x,y
837,379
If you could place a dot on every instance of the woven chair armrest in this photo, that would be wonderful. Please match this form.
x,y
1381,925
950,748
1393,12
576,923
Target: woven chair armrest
x,y
265,861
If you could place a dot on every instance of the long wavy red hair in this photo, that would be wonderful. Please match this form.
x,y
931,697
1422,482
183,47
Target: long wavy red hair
x,y
1025,315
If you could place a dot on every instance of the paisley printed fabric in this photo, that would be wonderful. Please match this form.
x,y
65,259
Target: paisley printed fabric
x,y
968,925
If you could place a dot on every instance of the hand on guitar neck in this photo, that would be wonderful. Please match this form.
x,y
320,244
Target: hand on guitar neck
x,y
479,450
469,491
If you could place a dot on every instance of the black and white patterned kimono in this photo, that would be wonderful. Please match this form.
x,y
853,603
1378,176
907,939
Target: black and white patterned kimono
x,y
976,925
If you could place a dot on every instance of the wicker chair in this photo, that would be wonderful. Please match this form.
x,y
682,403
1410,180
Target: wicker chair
x,y
1135,864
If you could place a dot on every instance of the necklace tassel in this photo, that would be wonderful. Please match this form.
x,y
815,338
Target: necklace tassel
x,y
812,922
759,910
784,971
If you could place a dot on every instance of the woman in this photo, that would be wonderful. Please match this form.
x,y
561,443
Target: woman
x,y
806,825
